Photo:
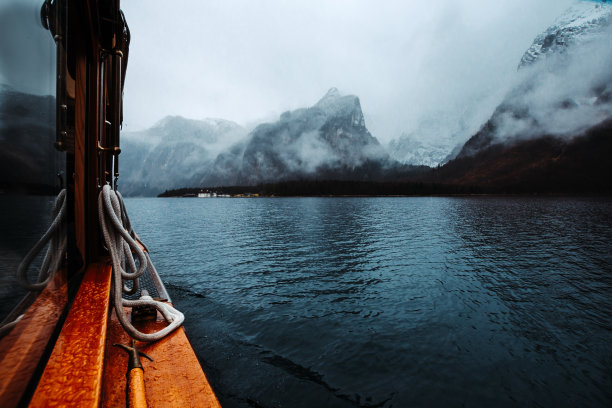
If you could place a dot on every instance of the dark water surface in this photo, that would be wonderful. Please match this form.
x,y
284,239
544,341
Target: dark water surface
x,y
392,302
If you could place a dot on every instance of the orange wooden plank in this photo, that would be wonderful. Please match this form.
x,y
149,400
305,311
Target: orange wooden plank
x,y
21,349
174,378
73,375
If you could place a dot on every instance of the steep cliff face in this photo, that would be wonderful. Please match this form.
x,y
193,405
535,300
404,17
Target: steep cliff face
x,y
559,76
582,23
566,85
553,130
329,138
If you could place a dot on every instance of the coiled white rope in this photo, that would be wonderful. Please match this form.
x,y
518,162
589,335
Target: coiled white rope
x,y
57,240
121,247
56,234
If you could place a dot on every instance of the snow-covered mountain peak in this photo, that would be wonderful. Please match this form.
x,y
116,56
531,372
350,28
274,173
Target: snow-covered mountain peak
x,y
583,22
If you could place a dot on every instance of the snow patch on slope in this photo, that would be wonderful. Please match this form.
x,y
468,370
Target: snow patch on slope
x,y
582,23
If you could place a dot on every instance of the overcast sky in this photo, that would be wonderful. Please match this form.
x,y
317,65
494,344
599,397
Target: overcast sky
x,y
410,62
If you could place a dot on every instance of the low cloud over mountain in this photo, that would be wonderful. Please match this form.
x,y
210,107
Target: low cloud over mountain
x,y
556,114
553,130
565,86
174,152
327,140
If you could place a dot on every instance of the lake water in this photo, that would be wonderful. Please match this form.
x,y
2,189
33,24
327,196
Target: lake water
x,y
392,302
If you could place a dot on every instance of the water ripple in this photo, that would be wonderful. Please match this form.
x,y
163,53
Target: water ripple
x,y
392,301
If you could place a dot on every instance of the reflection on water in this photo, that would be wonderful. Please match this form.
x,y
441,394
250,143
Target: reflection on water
x,y
392,301
30,166
23,221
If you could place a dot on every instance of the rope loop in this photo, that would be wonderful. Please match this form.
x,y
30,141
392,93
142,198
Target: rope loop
x,y
57,240
122,246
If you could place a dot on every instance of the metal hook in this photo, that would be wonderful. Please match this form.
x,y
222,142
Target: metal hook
x,y
134,355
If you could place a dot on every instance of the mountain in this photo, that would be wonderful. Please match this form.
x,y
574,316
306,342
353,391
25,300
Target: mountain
x,y
327,140
567,41
549,134
567,84
174,152
432,142
546,164
580,24
552,128
409,149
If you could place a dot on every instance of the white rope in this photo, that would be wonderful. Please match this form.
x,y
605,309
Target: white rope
x,y
56,238
121,247
55,252
4,329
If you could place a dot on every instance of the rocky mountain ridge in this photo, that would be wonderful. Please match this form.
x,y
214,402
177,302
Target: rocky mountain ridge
x,y
329,139
582,23
553,130
563,94
331,135
556,118
174,152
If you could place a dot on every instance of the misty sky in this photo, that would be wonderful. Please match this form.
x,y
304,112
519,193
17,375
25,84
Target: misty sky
x,y
414,64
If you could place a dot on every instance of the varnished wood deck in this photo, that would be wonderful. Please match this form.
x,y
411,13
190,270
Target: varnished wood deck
x,y
85,369
73,375
174,378
22,348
